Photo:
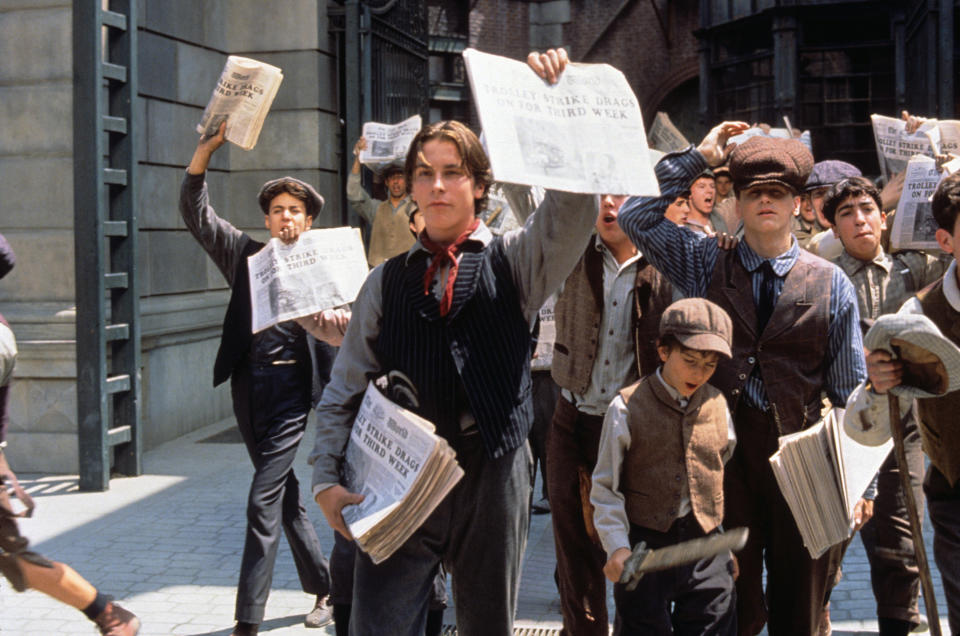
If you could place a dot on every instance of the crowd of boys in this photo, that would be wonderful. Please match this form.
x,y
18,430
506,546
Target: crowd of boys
x,y
681,357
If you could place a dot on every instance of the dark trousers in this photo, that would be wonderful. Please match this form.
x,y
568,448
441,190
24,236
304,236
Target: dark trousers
x,y
701,594
572,447
887,538
796,584
479,532
545,395
943,501
271,404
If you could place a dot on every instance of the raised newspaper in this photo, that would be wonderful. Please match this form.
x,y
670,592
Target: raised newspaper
x,y
582,134
913,225
665,136
895,145
321,270
387,143
242,97
822,473
402,469
777,133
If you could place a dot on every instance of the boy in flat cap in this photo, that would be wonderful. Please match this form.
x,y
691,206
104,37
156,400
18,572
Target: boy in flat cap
x,y
659,478
796,335
868,418
271,381
387,218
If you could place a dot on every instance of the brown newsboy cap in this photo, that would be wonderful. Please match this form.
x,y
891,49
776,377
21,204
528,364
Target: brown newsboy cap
x,y
699,324
764,160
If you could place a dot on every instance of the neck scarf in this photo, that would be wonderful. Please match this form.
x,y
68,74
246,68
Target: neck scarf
x,y
442,254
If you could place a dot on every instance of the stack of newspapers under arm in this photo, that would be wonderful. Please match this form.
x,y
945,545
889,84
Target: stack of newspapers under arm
x,y
402,469
822,474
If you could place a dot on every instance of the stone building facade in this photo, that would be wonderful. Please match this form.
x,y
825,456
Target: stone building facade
x,y
182,48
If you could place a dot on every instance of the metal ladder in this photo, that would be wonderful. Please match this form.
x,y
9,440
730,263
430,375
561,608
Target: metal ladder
x,y
105,235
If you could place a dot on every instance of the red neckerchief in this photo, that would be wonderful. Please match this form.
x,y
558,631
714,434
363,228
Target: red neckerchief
x,y
441,255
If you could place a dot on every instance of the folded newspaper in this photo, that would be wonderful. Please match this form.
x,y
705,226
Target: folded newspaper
x,y
822,473
323,269
242,97
913,225
665,136
402,469
895,145
583,134
387,144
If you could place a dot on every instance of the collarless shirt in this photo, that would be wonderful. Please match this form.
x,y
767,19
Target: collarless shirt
x,y
615,355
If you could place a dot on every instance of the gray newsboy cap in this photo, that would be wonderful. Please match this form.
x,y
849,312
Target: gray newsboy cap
x,y
931,362
699,324
314,200
826,173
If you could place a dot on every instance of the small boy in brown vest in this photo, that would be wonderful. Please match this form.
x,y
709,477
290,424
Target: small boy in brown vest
x,y
659,478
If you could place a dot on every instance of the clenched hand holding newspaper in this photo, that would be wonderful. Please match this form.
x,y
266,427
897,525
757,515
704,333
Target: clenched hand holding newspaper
x,y
402,469
242,97
321,270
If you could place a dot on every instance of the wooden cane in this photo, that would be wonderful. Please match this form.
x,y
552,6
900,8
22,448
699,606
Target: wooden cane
x,y
926,582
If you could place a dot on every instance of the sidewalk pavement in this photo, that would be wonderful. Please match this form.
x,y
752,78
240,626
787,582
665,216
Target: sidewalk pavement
x,y
167,544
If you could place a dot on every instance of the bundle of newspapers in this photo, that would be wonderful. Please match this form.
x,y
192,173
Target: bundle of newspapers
x,y
822,474
402,469
242,98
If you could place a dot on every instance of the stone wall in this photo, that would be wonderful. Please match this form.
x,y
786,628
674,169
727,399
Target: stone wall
x,y
182,48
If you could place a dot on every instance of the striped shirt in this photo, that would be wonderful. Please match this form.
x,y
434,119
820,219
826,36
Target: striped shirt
x,y
688,259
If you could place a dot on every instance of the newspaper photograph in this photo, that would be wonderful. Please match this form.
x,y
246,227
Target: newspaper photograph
x,y
583,134
913,224
388,447
665,136
242,97
387,143
895,146
322,270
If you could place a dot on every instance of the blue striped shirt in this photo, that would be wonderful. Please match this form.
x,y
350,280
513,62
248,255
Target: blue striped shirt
x,y
688,259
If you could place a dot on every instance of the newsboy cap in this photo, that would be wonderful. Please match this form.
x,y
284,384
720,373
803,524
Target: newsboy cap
x,y
314,200
826,173
769,160
699,324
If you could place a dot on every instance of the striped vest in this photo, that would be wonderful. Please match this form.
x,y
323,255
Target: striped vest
x,y
476,358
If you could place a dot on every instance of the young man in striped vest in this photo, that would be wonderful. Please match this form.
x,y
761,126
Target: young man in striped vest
x,y
454,314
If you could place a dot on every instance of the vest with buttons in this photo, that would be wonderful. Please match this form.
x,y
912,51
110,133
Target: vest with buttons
x,y
390,234
792,349
670,444
579,311
476,358
939,432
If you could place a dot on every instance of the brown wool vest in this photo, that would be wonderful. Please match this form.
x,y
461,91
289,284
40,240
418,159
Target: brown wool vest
x,y
579,311
791,351
390,234
939,432
669,444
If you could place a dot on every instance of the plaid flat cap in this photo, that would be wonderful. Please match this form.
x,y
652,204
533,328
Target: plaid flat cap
x,y
826,173
768,160
699,324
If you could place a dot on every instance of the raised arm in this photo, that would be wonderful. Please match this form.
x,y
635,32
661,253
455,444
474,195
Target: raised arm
x,y
359,200
221,240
